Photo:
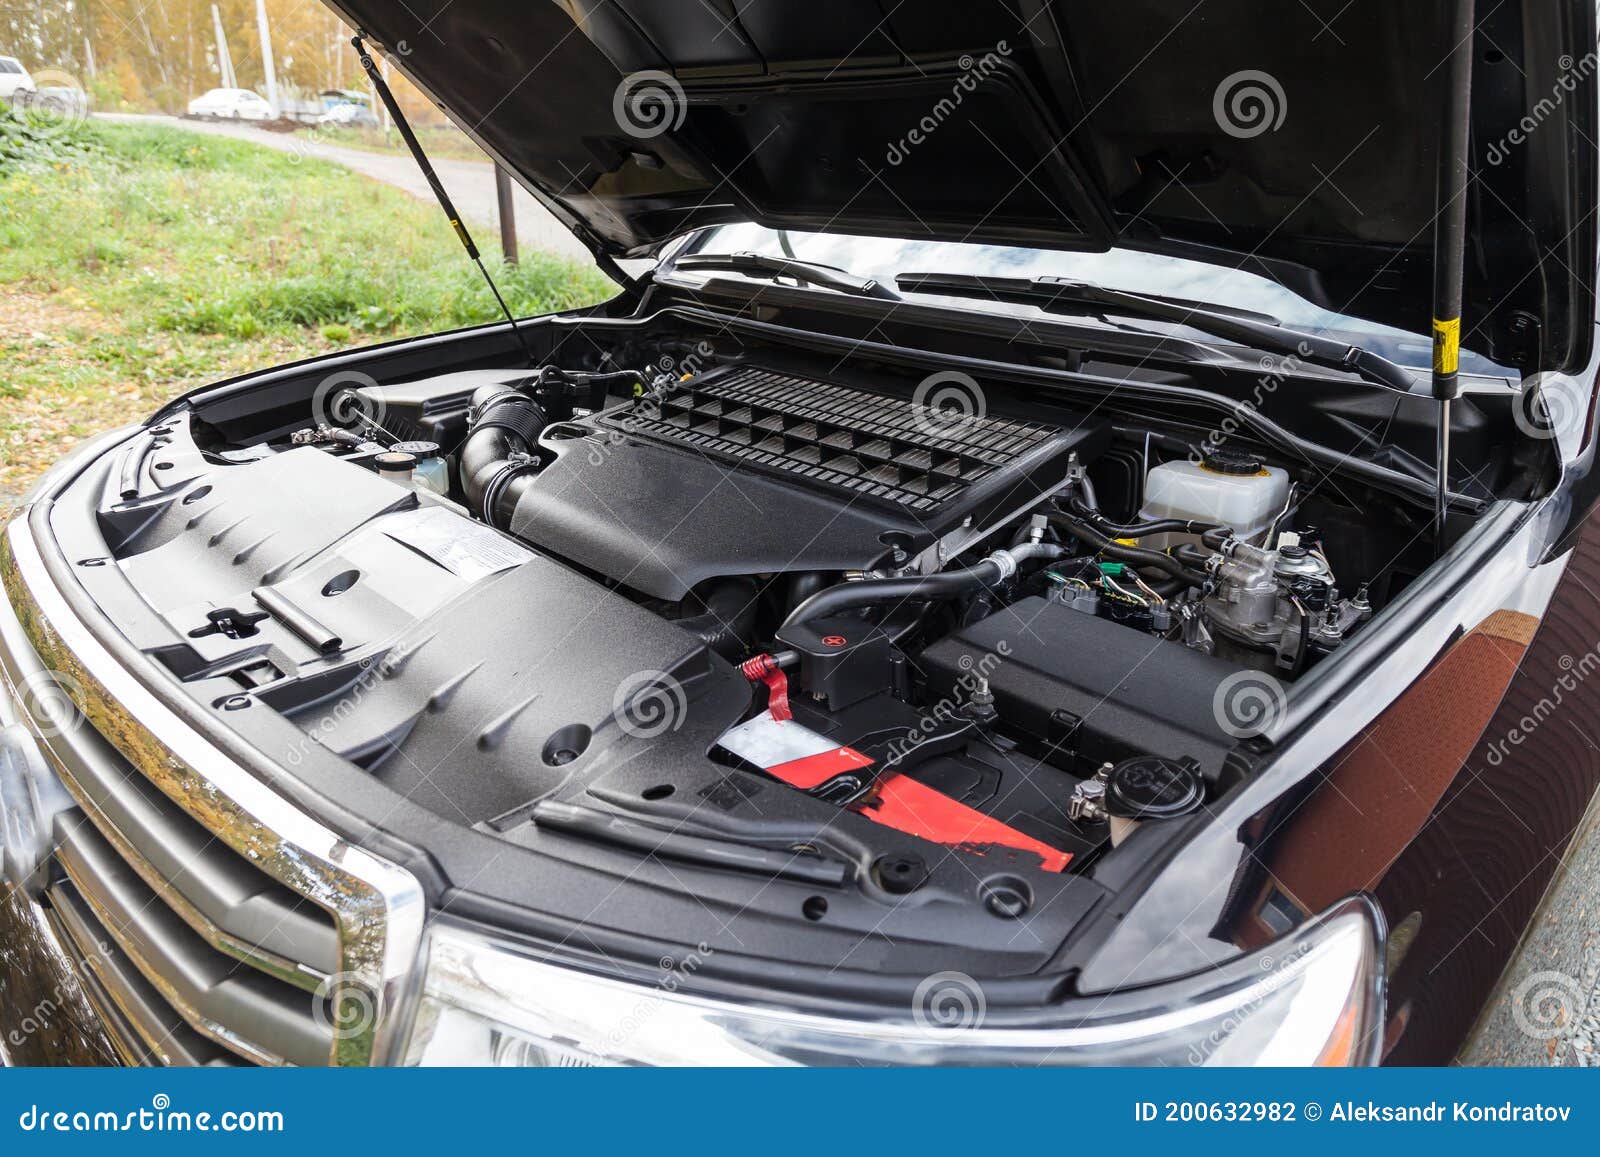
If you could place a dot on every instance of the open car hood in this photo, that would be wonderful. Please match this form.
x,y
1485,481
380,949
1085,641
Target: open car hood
x,y
1294,140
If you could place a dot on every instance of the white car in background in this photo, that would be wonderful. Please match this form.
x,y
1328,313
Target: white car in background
x,y
231,104
14,79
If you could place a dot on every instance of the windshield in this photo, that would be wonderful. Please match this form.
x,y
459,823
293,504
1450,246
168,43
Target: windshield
x,y
885,257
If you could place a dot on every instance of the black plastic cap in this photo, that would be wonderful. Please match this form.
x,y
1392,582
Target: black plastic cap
x,y
1231,462
1152,788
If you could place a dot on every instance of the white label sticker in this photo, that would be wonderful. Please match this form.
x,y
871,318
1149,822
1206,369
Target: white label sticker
x,y
768,742
463,547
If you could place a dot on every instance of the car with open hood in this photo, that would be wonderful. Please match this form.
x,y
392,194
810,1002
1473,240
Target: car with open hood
x,y
1066,547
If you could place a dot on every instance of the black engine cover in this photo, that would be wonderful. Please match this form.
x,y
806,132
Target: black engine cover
x,y
748,470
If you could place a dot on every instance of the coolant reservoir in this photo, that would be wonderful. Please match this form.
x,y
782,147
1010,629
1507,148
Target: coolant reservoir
x,y
1226,488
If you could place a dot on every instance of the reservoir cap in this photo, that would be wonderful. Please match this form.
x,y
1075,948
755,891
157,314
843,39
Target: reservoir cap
x,y
1150,787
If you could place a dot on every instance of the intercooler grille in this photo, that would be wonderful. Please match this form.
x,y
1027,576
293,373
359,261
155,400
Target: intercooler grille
x,y
887,447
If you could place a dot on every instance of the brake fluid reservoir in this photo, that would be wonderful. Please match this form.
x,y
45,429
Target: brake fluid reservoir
x,y
1226,488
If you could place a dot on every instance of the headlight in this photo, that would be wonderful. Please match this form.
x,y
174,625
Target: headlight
x,y
1315,997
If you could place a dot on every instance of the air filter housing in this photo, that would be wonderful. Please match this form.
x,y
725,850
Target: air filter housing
x,y
753,470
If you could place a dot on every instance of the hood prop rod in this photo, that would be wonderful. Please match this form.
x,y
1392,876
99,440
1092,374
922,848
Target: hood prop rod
x,y
1450,240
381,87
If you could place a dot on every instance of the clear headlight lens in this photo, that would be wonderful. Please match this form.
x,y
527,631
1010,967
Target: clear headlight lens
x,y
1313,998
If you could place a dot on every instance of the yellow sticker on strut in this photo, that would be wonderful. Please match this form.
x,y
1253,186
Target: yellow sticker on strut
x,y
1446,346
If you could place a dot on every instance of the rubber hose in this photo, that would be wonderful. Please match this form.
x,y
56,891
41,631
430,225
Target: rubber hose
x,y
508,423
1134,554
944,585
1141,529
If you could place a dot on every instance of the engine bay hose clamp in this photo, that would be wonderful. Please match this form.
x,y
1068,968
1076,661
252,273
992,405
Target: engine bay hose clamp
x,y
1006,561
513,466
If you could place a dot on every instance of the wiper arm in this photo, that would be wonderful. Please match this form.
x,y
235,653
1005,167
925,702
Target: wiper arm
x,y
761,265
1258,331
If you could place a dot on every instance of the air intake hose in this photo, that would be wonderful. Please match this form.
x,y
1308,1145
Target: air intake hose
x,y
497,459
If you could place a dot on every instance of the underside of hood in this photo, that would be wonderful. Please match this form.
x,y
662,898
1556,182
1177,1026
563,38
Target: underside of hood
x,y
1298,141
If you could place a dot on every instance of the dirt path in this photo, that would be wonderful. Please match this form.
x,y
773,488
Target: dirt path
x,y
469,183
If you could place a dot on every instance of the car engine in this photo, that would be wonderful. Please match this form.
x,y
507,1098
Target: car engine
x,y
1006,626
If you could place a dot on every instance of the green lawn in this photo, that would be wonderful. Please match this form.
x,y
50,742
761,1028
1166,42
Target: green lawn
x,y
137,262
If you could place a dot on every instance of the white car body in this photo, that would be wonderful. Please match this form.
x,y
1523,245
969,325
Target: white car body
x,y
13,78
231,104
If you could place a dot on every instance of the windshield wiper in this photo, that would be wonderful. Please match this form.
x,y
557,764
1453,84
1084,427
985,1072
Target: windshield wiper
x,y
1256,330
761,265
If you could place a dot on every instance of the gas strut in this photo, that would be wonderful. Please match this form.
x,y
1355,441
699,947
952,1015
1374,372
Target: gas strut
x,y
1450,240
381,87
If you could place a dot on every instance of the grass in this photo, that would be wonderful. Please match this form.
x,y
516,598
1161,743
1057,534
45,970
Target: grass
x,y
137,262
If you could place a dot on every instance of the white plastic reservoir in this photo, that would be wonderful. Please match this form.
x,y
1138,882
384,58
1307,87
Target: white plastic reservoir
x,y
1227,489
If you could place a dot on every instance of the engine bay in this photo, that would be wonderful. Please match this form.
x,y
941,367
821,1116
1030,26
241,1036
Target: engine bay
x,y
578,598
